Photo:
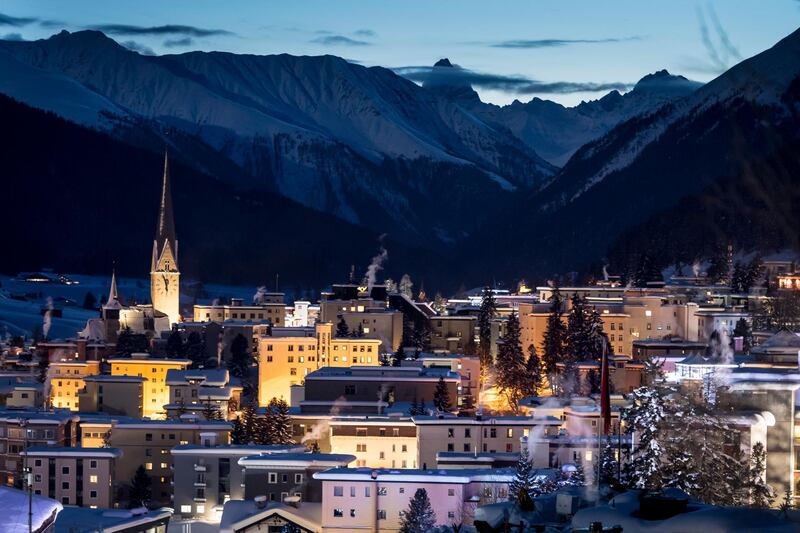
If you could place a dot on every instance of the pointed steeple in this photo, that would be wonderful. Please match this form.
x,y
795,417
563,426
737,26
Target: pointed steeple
x,y
165,230
112,293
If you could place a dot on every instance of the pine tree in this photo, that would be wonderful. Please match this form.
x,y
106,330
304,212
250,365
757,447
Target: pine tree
x,y
520,488
250,425
359,332
441,396
195,348
510,367
89,301
238,431
787,504
760,492
210,411
553,345
576,339
140,493
174,343
419,518
486,313
239,363
608,464
278,422
399,356
439,304
391,286
342,329
534,380
644,416
129,342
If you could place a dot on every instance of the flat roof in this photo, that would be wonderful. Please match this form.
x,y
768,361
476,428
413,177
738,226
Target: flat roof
x,y
385,475
54,451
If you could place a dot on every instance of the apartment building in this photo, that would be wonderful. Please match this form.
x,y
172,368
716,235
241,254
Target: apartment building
x,y
193,391
75,476
271,310
452,334
374,500
32,428
156,393
286,361
468,367
205,477
475,435
67,380
376,442
114,395
149,443
372,389
276,476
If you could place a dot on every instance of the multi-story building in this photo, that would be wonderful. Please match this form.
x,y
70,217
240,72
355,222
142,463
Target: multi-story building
x,y
452,334
271,310
474,435
114,395
195,391
26,396
372,389
149,443
468,367
376,442
156,393
279,475
368,318
66,380
75,476
287,360
366,499
19,429
205,477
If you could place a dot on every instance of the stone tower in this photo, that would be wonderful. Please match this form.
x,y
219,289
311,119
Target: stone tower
x,y
164,274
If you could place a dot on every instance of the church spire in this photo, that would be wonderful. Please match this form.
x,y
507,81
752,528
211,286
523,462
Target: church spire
x,y
165,231
112,293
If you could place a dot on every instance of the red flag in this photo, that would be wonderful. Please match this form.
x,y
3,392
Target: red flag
x,y
605,394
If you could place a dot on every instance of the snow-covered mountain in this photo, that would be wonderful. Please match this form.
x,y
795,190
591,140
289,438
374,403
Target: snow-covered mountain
x,y
554,131
715,167
362,143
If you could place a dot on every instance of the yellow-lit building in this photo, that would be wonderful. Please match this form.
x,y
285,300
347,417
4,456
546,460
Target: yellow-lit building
x,y
66,380
285,361
156,393
376,442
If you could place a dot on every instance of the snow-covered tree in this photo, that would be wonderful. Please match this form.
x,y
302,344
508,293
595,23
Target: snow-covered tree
x,y
278,423
608,464
441,396
439,304
534,378
521,487
419,518
391,286
760,492
644,417
510,367
486,313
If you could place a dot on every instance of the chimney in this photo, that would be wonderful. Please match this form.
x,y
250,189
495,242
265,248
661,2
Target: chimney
x,y
261,501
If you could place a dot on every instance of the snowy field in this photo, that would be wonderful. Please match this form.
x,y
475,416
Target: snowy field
x,y
23,317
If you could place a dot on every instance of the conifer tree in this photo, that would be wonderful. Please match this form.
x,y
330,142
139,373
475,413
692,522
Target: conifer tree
x,y
406,286
238,433
553,345
423,409
534,380
510,367
250,425
743,330
413,409
140,492
278,422
89,301
210,411
194,348
399,356
644,416
520,488
342,329
239,363
608,464
486,313
760,492
419,518
441,396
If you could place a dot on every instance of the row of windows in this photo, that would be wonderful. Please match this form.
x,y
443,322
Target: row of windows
x,y
311,348
65,469
491,433
272,477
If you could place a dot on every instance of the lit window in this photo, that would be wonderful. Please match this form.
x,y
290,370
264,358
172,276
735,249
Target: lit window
x,y
92,479
185,509
201,509
148,466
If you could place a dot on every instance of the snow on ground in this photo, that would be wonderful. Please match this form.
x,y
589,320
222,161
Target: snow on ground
x,y
18,317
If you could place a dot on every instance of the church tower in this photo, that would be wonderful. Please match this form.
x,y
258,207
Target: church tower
x,y
164,274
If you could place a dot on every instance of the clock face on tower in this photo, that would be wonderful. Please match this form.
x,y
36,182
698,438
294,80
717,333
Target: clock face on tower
x,y
166,283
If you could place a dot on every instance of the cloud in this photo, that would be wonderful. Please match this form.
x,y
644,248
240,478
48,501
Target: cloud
x,y
138,47
339,40
8,20
175,43
365,33
722,53
499,82
12,37
552,43
167,29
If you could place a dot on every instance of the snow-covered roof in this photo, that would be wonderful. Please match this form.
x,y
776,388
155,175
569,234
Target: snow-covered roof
x,y
237,449
297,460
87,520
385,475
107,378
53,451
239,514
14,504
211,377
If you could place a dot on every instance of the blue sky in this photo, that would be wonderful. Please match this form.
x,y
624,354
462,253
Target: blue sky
x,y
524,48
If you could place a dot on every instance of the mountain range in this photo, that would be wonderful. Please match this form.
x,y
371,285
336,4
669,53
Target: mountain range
x,y
442,173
